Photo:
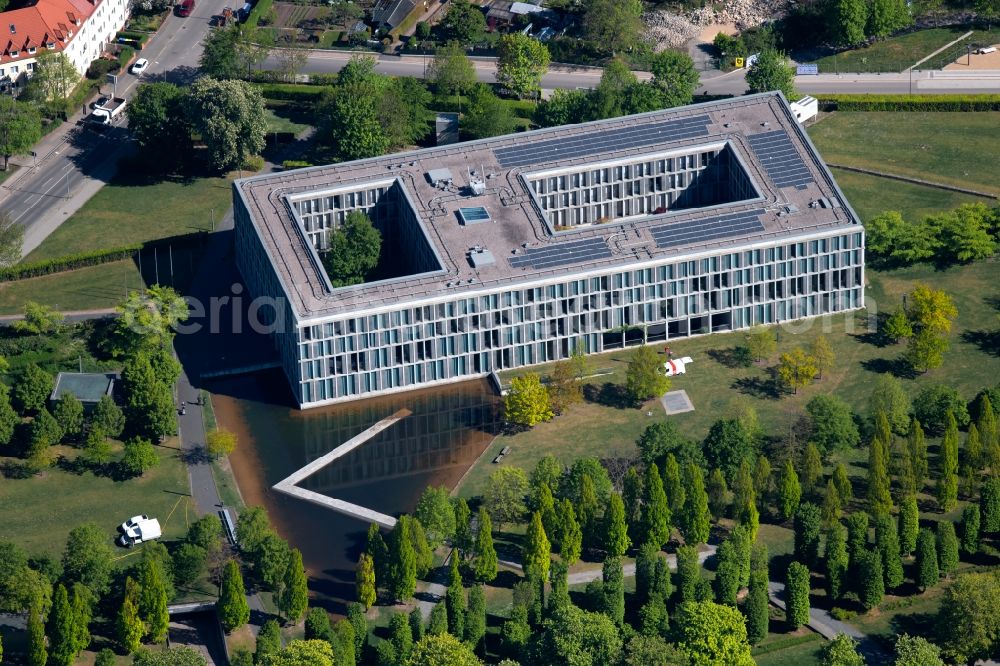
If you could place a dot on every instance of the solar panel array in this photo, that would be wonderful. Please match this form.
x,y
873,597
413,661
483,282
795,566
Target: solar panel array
x,y
713,228
562,254
602,141
780,159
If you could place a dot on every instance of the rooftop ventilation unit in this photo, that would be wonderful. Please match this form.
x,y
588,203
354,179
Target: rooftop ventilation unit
x,y
440,177
477,187
479,257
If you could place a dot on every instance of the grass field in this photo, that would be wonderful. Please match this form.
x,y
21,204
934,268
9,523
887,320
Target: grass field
x,y
30,518
281,119
129,211
931,146
871,195
894,54
593,428
94,287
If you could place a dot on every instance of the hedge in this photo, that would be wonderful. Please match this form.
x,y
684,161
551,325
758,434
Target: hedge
x,y
94,258
140,37
909,102
294,92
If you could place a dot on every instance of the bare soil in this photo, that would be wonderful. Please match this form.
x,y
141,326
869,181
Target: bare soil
x,y
976,61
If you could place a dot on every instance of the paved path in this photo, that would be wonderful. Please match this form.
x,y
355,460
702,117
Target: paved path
x,y
191,427
829,627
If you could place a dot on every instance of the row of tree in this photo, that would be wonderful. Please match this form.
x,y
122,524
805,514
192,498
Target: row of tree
x,y
969,233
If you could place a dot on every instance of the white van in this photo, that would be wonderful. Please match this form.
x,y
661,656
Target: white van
x,y
140,531
986,49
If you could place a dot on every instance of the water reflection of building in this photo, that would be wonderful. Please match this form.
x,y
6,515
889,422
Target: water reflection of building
x,y
440,434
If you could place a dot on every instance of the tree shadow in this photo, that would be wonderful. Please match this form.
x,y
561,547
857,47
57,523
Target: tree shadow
x,y
197,456
987,341
896,367
875,338
608,395
731,357
765,388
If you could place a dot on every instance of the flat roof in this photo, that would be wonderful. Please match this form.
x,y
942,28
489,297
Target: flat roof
x,y
798,196
85,386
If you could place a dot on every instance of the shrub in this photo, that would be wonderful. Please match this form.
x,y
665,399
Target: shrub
x,y
125,56
99,69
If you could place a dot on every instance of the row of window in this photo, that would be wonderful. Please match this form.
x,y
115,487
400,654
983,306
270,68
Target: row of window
x,y
585,178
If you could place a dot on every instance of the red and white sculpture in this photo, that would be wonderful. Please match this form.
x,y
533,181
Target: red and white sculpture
x,y
676,366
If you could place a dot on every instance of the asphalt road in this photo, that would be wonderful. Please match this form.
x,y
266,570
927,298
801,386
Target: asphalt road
x,y
75,161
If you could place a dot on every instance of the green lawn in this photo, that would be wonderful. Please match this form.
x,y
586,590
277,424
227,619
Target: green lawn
x,y
94,287
894,54
871,195
133,210
800,651
281,120
596,429
38,513
944,147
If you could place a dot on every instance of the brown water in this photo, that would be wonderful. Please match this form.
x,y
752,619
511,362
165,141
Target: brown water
x,y
447,431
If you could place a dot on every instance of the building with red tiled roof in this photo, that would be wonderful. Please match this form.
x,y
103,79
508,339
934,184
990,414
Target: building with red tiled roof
x,y
79,28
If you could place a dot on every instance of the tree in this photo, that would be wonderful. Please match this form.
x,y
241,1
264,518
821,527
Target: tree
x,y
796,368
886,17
354,250
632,494
836,561
616,539
675,77
947,547
887,545
897,327
352,111
662,440
727,445
760,342
455,600
229,117
219,56
822,354
451,71
643,377
435,513
61,629
613,25
718,493
475,618
947,486
302,653
927,561
149,401
128,624
158,122
220,443
521,63
53,78
989,504
268,641
68,413
841,651
484,560
969,530
807,524
843,483
832,424
797,595
688,573
20,129
140,457
38,654
652,650
415,620
402,562
771,72
849,18
571,536
294,597
727,574
694,521
932,405
87,558
487,114
969,618
32,388
917,651
756,607
812,469
712,634
917,448
365,581
574,636
464,23
537,549
232,606
831,503
81,601
909,524
153,600
789,491
317,625
879,499
871,583
527,401
504,495
463,518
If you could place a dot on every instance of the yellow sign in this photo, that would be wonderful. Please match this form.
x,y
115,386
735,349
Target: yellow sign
x,y
739,63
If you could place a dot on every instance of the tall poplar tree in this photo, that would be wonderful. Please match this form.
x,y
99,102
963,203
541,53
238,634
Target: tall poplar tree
x,y
947,485
656,511
927,563
454,600
484,559
632,499
616,539
756,606
673,485
947,547
402,562
571,546
537,553
879,498
695,522
153,600
475,618
836,561
38,654
234,611
789,491
294,597
969,530
887,545
365,581
61,629
129,625
909,524
797,595
917,446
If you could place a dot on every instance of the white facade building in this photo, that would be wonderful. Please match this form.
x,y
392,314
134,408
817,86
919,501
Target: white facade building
x,y
516,250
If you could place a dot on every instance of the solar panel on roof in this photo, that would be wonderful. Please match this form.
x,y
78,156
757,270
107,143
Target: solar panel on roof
x,y
707,229
780,159
562,254
602,141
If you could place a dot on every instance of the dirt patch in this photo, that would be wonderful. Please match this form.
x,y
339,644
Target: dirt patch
x,y
976,61
708,33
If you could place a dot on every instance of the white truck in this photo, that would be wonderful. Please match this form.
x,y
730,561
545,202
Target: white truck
x,y
109,112
140,531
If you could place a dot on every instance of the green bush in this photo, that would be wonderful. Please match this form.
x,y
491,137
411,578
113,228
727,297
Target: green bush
x,y
295,92
295,164
253,163
125,56
909,102
843,614
99,69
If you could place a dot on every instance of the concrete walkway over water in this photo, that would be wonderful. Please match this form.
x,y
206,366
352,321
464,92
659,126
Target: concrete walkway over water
x,y
288,485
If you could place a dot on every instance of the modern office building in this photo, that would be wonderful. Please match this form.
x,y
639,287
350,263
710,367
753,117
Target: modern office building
x,y
516,250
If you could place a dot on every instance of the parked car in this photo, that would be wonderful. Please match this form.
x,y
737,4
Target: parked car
x,y
99,102
139,66
185,8
132,522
